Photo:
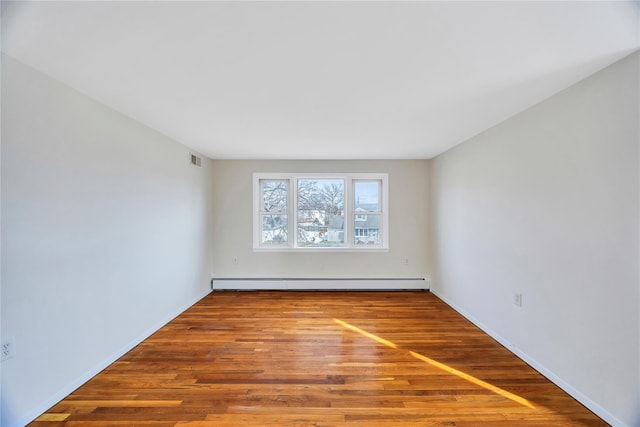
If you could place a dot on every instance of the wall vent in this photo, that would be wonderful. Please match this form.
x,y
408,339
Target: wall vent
x,y
196,161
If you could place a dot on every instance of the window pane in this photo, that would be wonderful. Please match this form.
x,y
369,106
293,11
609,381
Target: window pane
x,y
273,229
366,196
367,231
274,195
320,212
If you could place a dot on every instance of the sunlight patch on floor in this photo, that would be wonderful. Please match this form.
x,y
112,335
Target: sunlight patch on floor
x,y
442,366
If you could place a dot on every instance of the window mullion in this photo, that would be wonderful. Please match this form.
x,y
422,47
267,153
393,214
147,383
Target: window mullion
x,y
348,209
293,209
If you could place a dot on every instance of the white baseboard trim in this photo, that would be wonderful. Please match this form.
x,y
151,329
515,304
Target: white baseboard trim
x,y
576,394
319,284
73,385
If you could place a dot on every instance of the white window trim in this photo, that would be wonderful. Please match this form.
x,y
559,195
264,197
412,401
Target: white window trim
x,y
349,212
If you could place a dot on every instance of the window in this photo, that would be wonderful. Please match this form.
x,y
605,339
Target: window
x,y
274,223
367,211
320,212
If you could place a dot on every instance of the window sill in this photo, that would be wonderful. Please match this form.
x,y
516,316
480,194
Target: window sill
x,y
316,249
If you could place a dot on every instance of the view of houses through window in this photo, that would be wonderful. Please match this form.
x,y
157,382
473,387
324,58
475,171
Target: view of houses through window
x,y
273,214
367,212
319,212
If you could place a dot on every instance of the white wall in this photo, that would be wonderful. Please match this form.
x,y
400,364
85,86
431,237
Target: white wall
x,y
408,223
547,204
104,237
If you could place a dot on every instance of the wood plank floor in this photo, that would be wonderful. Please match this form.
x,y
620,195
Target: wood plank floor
x,y
319,359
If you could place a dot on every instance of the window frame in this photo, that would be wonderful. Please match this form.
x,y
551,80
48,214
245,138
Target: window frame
x,y
349,212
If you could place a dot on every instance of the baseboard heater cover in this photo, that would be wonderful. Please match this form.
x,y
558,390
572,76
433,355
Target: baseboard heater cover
x,y
312,284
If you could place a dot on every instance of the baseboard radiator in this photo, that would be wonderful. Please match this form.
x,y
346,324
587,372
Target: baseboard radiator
x,y
320,284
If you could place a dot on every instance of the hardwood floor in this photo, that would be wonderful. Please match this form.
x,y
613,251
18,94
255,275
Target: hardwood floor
x,y
319,359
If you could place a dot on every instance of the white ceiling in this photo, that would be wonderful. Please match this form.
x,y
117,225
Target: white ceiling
x,y
319,80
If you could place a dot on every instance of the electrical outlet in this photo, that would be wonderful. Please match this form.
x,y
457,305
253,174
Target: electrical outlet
x,y
7,349
517,300
235,260
405,261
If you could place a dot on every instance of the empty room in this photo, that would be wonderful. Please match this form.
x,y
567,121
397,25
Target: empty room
x,y
320,213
